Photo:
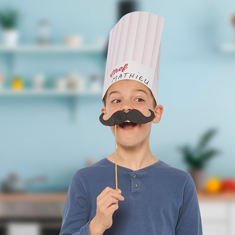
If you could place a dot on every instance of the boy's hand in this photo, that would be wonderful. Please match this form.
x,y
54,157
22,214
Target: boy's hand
x,y
106,204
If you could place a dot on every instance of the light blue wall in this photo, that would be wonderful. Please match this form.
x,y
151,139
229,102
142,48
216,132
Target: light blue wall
x,y
196,89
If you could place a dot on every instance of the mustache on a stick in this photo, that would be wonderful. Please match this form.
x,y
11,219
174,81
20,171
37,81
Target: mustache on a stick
x,y
133,115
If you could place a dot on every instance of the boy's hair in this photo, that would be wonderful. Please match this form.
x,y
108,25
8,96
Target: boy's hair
x,y
154,102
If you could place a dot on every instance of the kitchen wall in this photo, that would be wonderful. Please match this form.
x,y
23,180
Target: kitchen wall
x,y
196,86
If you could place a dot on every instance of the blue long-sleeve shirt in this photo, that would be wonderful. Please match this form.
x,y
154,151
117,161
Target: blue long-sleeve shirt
x,y
159,200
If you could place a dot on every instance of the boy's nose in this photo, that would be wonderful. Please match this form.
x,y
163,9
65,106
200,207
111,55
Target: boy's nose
x,y
126,110
126,107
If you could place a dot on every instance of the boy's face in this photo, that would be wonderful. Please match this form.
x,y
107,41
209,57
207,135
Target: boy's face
x,y
126,95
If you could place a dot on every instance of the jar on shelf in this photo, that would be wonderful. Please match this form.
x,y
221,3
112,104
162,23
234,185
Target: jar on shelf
x,y
38,81
95,83
75,81
43,34
61,84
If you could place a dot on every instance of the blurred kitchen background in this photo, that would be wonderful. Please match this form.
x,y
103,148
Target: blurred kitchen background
x,y
52,64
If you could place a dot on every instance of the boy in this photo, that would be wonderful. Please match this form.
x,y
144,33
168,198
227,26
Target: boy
x,y
153,197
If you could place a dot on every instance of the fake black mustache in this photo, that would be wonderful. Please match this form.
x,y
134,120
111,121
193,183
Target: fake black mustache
x,y
120,117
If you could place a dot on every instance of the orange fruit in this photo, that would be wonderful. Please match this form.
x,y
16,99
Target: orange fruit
x,y
213,185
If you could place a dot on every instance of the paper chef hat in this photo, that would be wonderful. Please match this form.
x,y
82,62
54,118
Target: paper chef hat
x,y
134,51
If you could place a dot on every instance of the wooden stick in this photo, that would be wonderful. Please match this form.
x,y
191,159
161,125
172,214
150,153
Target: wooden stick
x,y
116,159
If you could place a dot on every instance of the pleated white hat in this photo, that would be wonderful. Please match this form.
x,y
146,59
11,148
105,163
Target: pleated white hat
x,y
134,51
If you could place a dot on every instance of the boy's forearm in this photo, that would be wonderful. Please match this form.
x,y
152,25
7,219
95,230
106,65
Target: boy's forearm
x,y
94,228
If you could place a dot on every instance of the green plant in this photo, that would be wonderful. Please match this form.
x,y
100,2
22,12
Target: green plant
x,y
8,18
197,157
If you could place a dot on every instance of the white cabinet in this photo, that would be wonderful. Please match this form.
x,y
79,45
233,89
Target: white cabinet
x,y
218,217
232,218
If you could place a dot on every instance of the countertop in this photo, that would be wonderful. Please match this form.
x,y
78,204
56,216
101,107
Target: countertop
x,y
61,197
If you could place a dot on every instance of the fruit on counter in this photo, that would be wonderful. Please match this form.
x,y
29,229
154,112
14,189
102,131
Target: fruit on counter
x,y
228,185
213,185
17,83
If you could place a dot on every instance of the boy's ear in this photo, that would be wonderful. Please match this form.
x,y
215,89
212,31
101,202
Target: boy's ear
x,y
158,110
103,110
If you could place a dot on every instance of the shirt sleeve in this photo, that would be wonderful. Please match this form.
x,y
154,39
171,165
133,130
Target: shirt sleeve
x,y
189,218
75,216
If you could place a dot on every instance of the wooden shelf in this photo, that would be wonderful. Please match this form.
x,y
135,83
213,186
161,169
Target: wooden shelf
x,y
25,205
62,196
221,196
33,197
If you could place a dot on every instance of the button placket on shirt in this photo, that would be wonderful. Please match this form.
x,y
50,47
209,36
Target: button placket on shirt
x,y
134,183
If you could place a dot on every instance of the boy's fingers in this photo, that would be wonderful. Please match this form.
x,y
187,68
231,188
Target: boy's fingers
x,y
111,193
107,192
118,190
104,192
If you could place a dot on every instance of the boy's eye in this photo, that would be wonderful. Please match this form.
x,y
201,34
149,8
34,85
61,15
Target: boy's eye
x,y
139,99
119,100
114,100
